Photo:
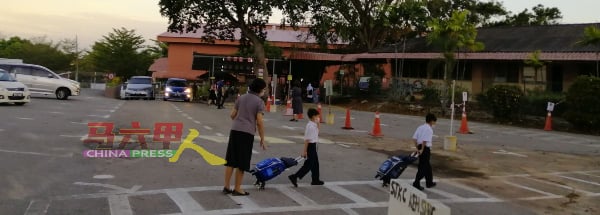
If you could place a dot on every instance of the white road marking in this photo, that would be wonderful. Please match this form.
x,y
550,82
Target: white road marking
x,y
116,189
103,116
213,138
530,189
54,112
579,180
184,114
383,124
588,174
359,131
103,177
82,123
220,135
445,194
197,122
254,151
296,196
321,140
349,211
37,153
73,136
37,207
119,204
346,193
190,118
24,118
344,145
185,202
274,140
207,128
290,128
504,152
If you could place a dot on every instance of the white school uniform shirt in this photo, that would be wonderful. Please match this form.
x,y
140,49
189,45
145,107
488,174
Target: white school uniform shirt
x,y
311,133
424,133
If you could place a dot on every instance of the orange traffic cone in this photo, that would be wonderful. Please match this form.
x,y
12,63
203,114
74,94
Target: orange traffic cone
x,y
548,126
268,106
348,122
288,108
464,128
376,126
320,114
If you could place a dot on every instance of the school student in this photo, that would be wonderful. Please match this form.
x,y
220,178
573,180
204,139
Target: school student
x,y
422,138
311,137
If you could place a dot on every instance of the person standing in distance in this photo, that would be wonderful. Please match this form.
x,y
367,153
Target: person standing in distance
x,y
296,101
423,141
311,137
247,116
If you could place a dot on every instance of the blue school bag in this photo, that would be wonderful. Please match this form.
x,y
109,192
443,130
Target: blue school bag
x,y
269,168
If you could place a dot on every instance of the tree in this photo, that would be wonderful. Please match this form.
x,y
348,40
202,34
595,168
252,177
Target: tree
x,y
591,36
121,52
450,35
40,52
366,25
223,19
535,62
540,16
481,13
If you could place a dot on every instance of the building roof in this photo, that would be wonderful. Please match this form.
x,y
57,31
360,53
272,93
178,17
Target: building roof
x,y
274,34
159,65
549,38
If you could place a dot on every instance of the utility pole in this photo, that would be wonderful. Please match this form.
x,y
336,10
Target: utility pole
x,y
77,59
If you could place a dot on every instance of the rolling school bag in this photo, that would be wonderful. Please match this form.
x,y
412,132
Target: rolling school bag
x,y
270,168
393,167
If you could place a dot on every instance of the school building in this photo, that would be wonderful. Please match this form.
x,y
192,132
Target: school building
x,y
415,62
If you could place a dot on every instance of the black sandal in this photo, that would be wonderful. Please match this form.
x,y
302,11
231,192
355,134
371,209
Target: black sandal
x,y
226,191
236,193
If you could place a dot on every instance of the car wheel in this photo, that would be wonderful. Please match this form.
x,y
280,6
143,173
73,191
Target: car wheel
x,y
62,94
20,103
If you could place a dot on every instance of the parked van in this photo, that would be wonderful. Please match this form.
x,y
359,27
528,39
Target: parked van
x,y
11,90
177,89
42,81
138,87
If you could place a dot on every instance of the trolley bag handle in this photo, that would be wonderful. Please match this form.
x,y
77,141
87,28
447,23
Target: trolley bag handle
x,y
299,159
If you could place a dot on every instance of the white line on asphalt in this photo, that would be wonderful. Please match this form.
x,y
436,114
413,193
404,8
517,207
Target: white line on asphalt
x,y
383,124
359,131
220,135
185,202
103,177
37,153
197,122
588,174
73,136
445,194
283,210
469,188
54,112
349,211
119,204
530,189
184,114
577,179
344,145
207,128
296,196
560,185
321,140
82,123
24,118
115,188
37,207
254,151
348,194
190,118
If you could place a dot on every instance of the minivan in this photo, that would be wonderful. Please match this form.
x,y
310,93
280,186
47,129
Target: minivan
x,y
138,87
177,89
12,91
42,81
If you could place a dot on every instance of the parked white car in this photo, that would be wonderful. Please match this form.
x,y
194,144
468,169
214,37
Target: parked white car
x,y
138,87
42,81
12,91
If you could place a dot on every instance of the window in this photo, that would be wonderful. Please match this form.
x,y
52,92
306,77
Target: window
x,y
506,73
40,72
140,81
22,70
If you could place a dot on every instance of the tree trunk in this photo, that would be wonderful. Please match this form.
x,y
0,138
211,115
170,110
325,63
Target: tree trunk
x,y
261,63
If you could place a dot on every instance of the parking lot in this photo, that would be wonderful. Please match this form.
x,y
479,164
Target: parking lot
x,y
519,171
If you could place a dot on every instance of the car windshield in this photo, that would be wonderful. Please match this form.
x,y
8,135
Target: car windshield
x,y
5,76
140,81
177,83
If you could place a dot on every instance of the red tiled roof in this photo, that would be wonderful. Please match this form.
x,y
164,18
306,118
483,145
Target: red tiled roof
x,y
159,65
190,75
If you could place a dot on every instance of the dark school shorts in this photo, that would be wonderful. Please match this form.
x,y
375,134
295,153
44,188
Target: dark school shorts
x,y
239,150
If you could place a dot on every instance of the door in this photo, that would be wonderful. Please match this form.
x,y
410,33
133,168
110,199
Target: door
x,y
44,80
555,79
23,75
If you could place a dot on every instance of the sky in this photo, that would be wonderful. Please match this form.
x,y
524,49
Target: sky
x,y
89,20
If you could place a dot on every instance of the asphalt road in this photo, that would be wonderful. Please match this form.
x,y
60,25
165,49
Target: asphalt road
x,y
44,170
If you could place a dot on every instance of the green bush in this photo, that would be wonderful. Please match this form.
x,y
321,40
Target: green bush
x,y
431,96
583,99
116,81
503,101
536,102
